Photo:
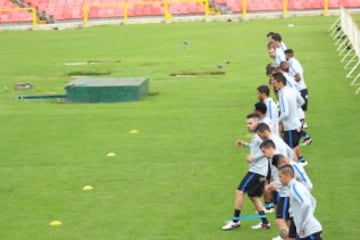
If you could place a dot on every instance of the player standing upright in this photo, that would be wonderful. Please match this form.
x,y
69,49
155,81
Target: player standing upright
x,y
289,101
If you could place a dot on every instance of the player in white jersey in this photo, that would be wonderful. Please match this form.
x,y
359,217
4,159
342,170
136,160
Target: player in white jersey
x,y
280,192
265,133
276,54
260,109
302,205
296,70
291,82
272,36
279,161
263,94
253,182
277,40
289,101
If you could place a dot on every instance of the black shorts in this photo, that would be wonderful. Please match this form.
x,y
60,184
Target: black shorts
x,y
304,95
292,138
282,210
314,236
275,197
252,184
292,229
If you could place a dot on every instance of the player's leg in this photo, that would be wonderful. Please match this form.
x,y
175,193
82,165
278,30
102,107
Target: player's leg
x,y
269,205
264,224
314,236
282,215
255,192
292,230
239,200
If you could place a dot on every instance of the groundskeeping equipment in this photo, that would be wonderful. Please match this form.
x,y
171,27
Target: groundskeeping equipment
x,y
100,90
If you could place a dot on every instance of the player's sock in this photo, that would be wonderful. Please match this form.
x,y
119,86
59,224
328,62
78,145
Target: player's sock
x,y
236,217
301,159
269,204
263,219
304,135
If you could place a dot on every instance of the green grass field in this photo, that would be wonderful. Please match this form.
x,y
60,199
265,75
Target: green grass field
x,y
176,178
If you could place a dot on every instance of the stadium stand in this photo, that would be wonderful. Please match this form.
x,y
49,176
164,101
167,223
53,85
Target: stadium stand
x,y
58,10
10,13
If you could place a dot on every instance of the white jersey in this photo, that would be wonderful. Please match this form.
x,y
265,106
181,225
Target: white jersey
x,y
281,147
259,164
302,208
290,101
296,68
301,176
283,46
273,114
279,57
290,82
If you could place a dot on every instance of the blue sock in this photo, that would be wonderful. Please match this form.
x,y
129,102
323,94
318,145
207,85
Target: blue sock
x,y
269,205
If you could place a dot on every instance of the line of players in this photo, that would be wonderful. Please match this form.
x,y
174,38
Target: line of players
x,y
276,165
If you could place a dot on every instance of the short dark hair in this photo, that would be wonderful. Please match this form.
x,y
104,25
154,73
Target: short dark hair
x,y
276,37
269,34
252,115
270,68
267,144
264,89
261,127
287,169
261,107
289,51
276,159
279,77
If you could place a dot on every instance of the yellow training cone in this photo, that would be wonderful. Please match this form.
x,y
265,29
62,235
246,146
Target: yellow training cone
x,y
88,188
55,223
111,154
134,131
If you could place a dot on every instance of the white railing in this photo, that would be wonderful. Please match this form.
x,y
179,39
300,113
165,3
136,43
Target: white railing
x,y
345,32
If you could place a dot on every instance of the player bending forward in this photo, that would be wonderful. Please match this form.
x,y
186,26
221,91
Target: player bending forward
x,y
302,206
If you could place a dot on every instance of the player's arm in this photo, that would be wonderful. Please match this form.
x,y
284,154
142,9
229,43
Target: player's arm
x,y
284,108
240,143
305,206
299,100
297,77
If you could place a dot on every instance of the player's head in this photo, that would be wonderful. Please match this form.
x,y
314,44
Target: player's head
x,y
260,109
263,130
276,39
271,49
280,80
289,53
252,120
279,160
284,66
262,92
270,69
268,148
286,174
269,35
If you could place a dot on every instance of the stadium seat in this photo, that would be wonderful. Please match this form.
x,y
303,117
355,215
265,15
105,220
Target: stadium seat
x,y
350,3
234,5
334,3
